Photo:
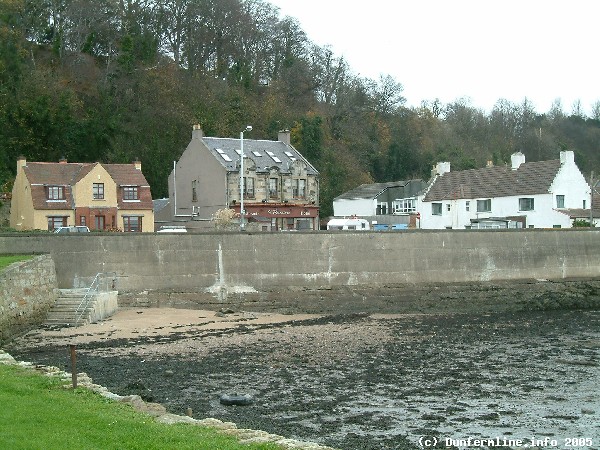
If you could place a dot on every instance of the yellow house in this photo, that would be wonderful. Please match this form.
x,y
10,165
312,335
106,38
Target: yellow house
x,y
100,196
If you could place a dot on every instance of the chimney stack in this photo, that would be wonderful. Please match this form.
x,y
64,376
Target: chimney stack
x,y
138,164
440,169
62,160
567,157
516,159
489,163
197,132
21,162
284,136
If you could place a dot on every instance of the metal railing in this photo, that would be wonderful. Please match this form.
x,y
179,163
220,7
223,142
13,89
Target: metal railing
x,y
108,279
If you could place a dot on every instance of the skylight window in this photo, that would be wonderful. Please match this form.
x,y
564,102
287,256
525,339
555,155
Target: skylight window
x,y
256,153
223,154
290,154
239,152
273,157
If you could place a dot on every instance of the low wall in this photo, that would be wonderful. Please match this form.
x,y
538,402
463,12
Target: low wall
x,y
28,289
305,270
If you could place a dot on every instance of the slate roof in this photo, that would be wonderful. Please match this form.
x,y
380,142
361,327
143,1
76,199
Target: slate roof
x,y
373,190
265,154
42,174
499,181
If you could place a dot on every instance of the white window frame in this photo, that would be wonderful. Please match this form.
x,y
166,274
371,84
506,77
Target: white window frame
x,y
404,205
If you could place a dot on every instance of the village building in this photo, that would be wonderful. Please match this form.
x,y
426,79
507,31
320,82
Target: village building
x,y
102,197
280,187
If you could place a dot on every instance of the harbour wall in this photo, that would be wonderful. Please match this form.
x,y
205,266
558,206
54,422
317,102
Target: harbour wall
x,y
332,271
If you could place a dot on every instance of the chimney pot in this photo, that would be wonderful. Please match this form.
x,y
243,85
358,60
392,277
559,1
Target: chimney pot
x,y
62,160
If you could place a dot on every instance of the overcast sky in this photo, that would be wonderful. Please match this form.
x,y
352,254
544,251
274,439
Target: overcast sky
x,y
483,50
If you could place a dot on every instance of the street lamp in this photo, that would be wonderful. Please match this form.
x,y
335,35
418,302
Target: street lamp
x,y
248,128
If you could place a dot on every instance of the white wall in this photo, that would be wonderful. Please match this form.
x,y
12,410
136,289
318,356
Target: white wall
x,y
359,207
569,182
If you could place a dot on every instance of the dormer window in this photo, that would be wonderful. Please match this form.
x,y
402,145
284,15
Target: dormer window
x,y
130,193
55,193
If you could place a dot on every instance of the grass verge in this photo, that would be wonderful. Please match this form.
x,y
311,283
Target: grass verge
x,y
7,260
38,412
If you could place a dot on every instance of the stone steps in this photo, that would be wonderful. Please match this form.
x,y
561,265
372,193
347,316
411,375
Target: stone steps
x,y
64,310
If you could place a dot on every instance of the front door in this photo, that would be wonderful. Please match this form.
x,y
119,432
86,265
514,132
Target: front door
x,y
99,222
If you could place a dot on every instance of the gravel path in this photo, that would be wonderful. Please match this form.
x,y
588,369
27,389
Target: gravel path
x,y
352,381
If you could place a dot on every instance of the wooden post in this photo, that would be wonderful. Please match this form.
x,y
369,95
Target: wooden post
x,y
73,366
592,199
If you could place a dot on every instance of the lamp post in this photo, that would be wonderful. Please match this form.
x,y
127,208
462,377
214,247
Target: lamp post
x,y
248,128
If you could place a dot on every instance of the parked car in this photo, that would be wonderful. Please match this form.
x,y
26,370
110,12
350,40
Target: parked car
x,y
172,229
72,229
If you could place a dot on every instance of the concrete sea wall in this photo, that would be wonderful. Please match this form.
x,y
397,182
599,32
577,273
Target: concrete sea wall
x,y
322,271
27,292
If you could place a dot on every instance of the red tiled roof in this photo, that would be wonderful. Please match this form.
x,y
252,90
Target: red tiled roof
x,y
500,181
41,174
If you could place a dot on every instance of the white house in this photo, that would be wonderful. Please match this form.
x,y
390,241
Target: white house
x,y
384,203
541,194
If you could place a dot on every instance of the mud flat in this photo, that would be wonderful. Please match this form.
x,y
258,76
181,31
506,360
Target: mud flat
x,y
354,381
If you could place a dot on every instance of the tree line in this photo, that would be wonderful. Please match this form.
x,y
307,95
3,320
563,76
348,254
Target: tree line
x,y
116,80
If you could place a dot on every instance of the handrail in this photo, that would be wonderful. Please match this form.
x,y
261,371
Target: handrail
x,y
90,291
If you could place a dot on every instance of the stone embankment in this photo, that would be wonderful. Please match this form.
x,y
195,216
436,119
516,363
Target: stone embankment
x,y
244,436
28,289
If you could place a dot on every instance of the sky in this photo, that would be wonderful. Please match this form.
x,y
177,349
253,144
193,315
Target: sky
x,y
480,50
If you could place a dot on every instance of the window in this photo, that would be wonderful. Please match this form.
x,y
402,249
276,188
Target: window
x,y
98,191
484,205
584,204
404,205
299,189
82,220
56,221
467,206
273,184
55,193
381,208
194,192
132,223
436,209
248,187
560,201
448,207
525,204
130,193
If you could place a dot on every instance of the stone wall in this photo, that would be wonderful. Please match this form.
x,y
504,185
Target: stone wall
x,y
28,289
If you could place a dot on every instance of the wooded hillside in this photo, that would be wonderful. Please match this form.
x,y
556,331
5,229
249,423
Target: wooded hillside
x,y
116,80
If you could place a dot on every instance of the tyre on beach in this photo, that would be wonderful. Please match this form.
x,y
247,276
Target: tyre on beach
x,y
236,399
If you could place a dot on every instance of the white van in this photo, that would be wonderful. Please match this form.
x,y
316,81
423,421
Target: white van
x,y
172,229
352,223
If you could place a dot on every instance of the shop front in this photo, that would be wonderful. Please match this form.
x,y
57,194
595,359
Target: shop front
x,y
281,216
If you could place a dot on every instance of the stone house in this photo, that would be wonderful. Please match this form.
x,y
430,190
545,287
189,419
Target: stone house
x,y
280,187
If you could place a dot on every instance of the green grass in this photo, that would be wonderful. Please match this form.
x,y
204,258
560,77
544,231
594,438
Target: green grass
x,y
38,412
6,261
